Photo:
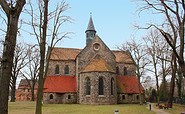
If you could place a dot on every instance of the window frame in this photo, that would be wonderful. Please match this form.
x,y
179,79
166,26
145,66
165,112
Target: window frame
x,y
88,86
101,86
51,96
112,86
66,69
57,69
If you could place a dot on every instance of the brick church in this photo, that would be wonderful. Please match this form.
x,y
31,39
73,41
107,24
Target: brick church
x,y
92,75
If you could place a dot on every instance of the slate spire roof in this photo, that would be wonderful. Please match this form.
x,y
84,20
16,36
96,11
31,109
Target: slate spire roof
x,y
90,25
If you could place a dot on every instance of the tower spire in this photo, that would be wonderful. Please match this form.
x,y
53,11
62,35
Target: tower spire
x,y
90,32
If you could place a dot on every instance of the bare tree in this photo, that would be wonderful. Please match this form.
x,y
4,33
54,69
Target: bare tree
x,y
30,72
18,63
174,11
138,53
12,10
40,23
158,49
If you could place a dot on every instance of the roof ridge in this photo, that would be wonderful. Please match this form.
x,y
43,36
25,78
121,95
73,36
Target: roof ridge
x,y
66,48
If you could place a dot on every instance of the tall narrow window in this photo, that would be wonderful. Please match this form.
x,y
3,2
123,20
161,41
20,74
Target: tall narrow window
x,y
66,69
117,70
112,86
101,86
125,71
57,69
88,86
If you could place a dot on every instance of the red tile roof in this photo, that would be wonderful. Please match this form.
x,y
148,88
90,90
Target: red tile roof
x,y
60,84
128,84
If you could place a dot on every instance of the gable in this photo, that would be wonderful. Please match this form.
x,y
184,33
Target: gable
x,y
92,49
24,84
98,65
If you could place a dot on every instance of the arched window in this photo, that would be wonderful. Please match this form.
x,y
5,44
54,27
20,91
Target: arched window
x,y
57,69
88,86
125,71
101,86
51,96
112,86
117,70
123,97
66,69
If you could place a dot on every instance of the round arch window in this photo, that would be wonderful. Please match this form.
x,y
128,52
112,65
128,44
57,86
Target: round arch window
x,y
96,46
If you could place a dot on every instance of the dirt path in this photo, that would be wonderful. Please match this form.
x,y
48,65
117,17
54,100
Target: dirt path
x,y
157,111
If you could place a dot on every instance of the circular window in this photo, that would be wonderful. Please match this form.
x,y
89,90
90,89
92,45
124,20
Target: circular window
x,y
96,46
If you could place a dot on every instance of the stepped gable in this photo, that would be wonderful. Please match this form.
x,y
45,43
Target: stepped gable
x,y
60,84
128,85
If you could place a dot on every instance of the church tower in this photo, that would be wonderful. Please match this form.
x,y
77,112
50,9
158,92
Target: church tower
x,y
90,32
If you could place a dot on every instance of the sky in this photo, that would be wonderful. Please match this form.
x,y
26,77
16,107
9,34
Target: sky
x,y
113,20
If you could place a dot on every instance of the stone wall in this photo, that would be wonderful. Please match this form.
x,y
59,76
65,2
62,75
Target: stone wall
x,y
94,97
62,64
59,98
131,69
89,52
129,98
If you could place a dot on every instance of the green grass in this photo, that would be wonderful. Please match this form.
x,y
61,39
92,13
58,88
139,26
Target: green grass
x,y
29,108
177,109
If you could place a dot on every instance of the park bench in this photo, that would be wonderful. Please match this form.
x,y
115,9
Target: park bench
x,y
163,106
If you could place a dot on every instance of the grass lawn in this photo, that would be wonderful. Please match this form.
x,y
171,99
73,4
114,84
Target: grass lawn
x,y
177,109
29,108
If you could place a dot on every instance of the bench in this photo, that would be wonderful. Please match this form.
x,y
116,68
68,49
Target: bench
x,y
163,106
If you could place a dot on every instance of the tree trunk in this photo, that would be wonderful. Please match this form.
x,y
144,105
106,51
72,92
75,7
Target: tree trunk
x,y
42,61
182,67
32,92
7,62
179,84
8,51
139,87
172,84
13,89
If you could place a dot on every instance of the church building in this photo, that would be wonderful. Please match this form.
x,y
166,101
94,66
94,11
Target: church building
x,y
92,75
